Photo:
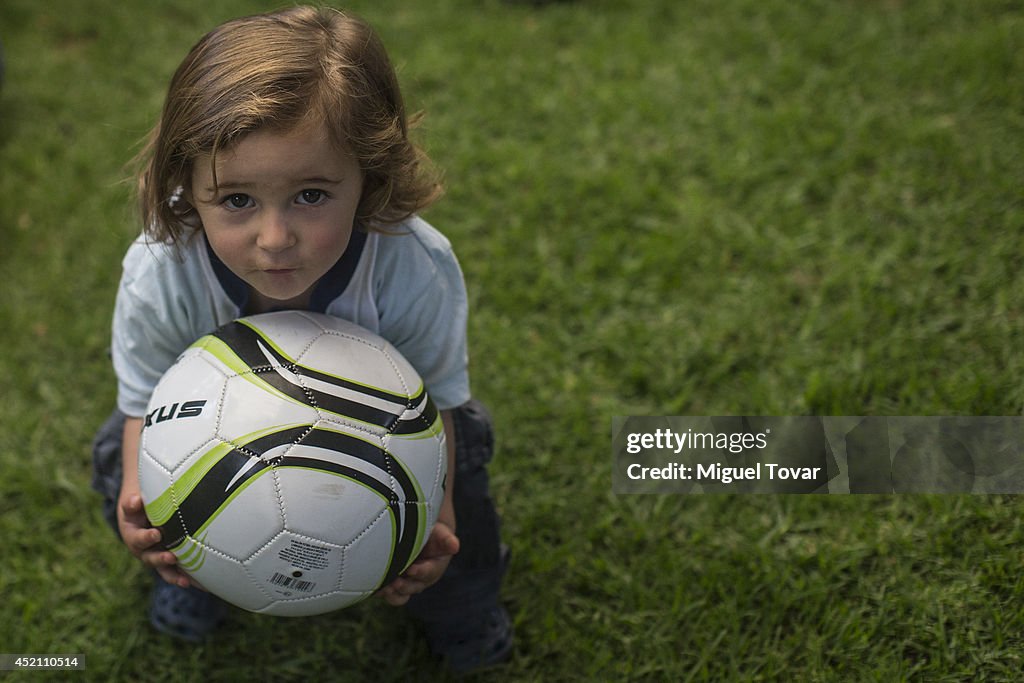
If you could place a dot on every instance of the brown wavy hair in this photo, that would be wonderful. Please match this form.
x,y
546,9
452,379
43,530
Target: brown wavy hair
x,y
277,71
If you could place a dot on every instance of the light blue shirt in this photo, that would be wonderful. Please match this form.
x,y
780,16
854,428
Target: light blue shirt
x,y
405,285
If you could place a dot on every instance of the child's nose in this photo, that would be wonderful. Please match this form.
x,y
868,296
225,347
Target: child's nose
x,y
275,234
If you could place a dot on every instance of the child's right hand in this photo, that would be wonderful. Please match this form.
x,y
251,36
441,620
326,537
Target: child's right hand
x,y
143,540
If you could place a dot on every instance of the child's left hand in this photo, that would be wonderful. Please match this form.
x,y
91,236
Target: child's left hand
x,y
426,569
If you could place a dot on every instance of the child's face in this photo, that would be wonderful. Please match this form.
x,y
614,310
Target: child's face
x,y
283,211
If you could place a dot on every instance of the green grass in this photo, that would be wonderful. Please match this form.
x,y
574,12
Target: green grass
x,y
663,207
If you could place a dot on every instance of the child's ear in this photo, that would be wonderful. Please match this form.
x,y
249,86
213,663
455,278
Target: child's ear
x,y
183,205
184,208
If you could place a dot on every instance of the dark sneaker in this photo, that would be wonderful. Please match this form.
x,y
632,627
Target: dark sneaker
x,y
478,635
186,613
474,642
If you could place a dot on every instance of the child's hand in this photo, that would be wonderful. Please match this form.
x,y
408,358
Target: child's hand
x,y
426,569
142,540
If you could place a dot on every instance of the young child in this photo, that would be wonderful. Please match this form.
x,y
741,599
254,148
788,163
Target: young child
x,y
280,176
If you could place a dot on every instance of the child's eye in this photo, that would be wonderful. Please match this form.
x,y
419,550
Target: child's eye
x,y
237,201
312,197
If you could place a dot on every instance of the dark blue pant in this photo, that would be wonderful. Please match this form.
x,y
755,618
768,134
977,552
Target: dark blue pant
x,y
474,575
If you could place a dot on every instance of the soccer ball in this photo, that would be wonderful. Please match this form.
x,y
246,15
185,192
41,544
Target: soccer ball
x,y
293,463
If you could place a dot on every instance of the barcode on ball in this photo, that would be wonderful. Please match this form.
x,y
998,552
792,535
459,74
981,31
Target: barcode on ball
x,y
292,583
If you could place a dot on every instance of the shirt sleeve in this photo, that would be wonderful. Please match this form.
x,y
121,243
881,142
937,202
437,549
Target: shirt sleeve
x,y
424,312
146,335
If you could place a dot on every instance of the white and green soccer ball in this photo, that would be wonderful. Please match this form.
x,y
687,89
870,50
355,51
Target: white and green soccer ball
x,y
293,463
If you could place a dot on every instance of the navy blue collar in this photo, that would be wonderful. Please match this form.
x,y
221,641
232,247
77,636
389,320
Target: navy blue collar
x,y
326,290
